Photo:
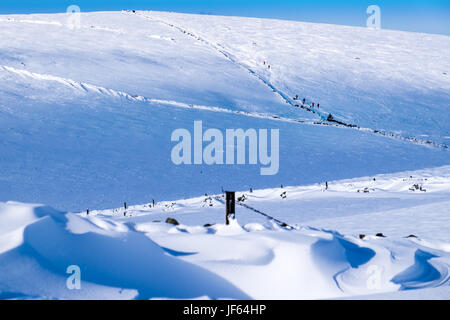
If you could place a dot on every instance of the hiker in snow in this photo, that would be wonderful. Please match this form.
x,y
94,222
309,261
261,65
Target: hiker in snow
x,y
318,105
330,117
313,104
264,63
304,100
326,185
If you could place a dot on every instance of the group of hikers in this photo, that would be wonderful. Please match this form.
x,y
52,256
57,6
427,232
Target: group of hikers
x,y
304,101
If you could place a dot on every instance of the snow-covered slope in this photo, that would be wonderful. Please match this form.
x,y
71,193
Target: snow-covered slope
x,y
74,146
126,53
86,118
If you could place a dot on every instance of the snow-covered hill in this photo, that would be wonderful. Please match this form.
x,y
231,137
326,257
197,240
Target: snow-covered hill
x,y
86,118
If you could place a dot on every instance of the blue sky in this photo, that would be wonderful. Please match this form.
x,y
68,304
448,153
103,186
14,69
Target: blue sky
x,y
430,16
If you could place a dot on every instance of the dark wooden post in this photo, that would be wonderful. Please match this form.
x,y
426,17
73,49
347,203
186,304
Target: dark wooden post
x,y
230,208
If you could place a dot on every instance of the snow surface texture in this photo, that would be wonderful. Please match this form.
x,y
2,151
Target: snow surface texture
x,y
132,254
85,122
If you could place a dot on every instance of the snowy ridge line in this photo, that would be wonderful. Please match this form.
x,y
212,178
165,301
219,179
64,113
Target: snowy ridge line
x,y
64,81
53,23
85,87
221,49
341,261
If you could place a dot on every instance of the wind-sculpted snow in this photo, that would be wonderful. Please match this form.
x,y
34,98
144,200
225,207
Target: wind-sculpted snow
x,y
140,258
385,80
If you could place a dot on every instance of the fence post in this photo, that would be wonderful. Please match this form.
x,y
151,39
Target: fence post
x,y
230,208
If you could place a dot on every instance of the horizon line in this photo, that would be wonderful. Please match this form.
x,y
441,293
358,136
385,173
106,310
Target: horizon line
x,y
50,12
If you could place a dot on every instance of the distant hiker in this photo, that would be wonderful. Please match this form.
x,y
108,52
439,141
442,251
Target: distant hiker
x,y
326,185
330,117
318,105
312,105
304,100
125,205
264,62
87,211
